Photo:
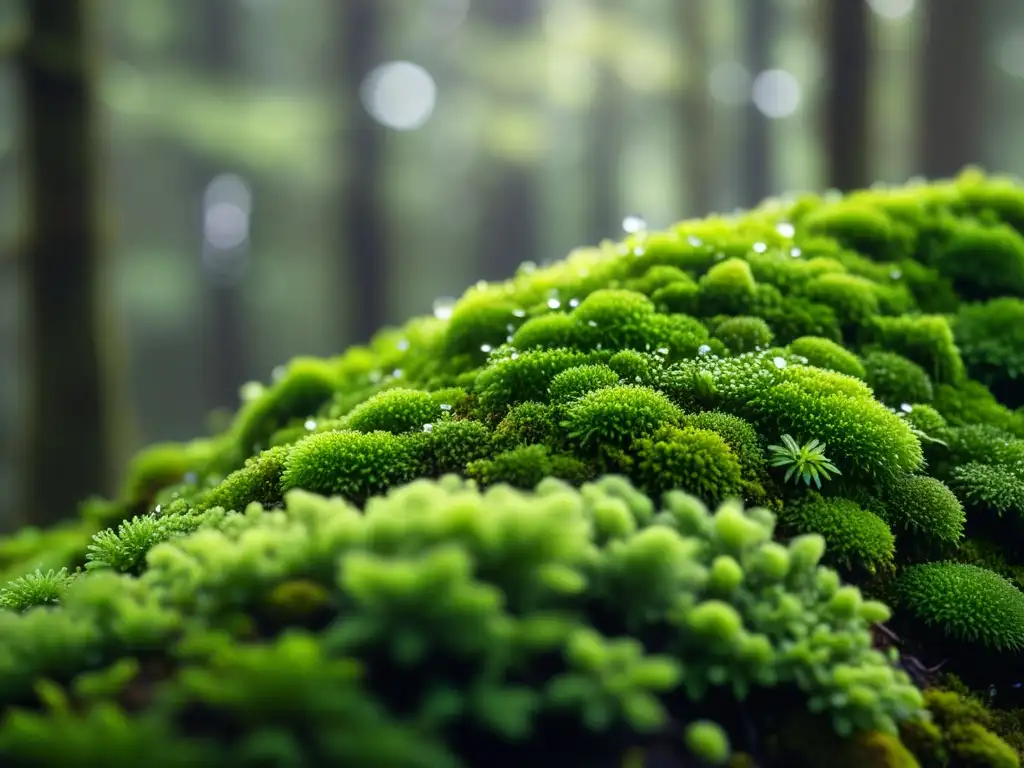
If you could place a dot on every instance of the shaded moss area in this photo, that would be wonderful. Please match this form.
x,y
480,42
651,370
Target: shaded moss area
x,y
610,511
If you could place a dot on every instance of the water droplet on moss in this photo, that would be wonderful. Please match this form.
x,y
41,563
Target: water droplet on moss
x,y
574,303
634,223
428,427
278,373
780,362
519,312
446,406
486,347
906,408
760,247
403,345
592,323
695,241
310,425
397,373
554,303
703,349
785,229
443,307
796,253
896,274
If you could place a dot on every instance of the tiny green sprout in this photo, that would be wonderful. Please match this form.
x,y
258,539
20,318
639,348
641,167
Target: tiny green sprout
x,y
805,462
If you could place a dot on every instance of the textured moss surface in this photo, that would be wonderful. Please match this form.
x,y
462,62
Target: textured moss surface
x,y
645,504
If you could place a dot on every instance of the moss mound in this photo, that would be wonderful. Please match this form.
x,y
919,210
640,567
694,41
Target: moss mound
x,y
540,525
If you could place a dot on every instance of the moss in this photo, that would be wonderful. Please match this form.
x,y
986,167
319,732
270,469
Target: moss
x,y
965,602
856,537
825,353
589,618
697,461
897,380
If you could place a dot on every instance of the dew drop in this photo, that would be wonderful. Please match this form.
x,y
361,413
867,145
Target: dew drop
x,y
191,478
638,251
554,303
278,373
158,508
519,313
785,229
896,274
780,362
446,406
592,323
760,247
796,253
695,241
906,407
397,373
634,223
574,303
703,349
486,347
403,345
310,424
662,350
428,427
251,390
443,307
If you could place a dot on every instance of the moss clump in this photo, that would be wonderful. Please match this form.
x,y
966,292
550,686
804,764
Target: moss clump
x,y
965,602
310,556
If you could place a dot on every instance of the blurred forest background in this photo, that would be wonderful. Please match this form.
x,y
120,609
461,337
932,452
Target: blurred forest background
x,y
194,191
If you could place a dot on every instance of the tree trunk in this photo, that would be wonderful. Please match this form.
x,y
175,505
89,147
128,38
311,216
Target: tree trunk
x,y
509,223
605,151
223,339
953,88
698,110
361,206
70,425
846,124
757,171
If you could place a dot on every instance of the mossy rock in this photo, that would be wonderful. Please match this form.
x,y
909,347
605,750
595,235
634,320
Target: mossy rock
x,y
513,534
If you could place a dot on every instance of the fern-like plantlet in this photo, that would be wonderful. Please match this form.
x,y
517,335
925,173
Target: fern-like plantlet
x,y
805,462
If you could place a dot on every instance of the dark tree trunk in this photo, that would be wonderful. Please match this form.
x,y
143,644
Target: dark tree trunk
x,y
223,338
70,423
361,208
509,224
846,125
757,171
698,110
953,88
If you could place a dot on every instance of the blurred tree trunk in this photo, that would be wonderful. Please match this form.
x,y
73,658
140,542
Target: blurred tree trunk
x,y
223,339
604,153
71,424
757,171
698,109
361,202
509,225
846,122
952,88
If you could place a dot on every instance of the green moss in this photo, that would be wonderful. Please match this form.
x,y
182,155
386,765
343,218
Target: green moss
x,y
856,537
651,358
897,380
697,461
825,353
965,602
744,334
991,339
